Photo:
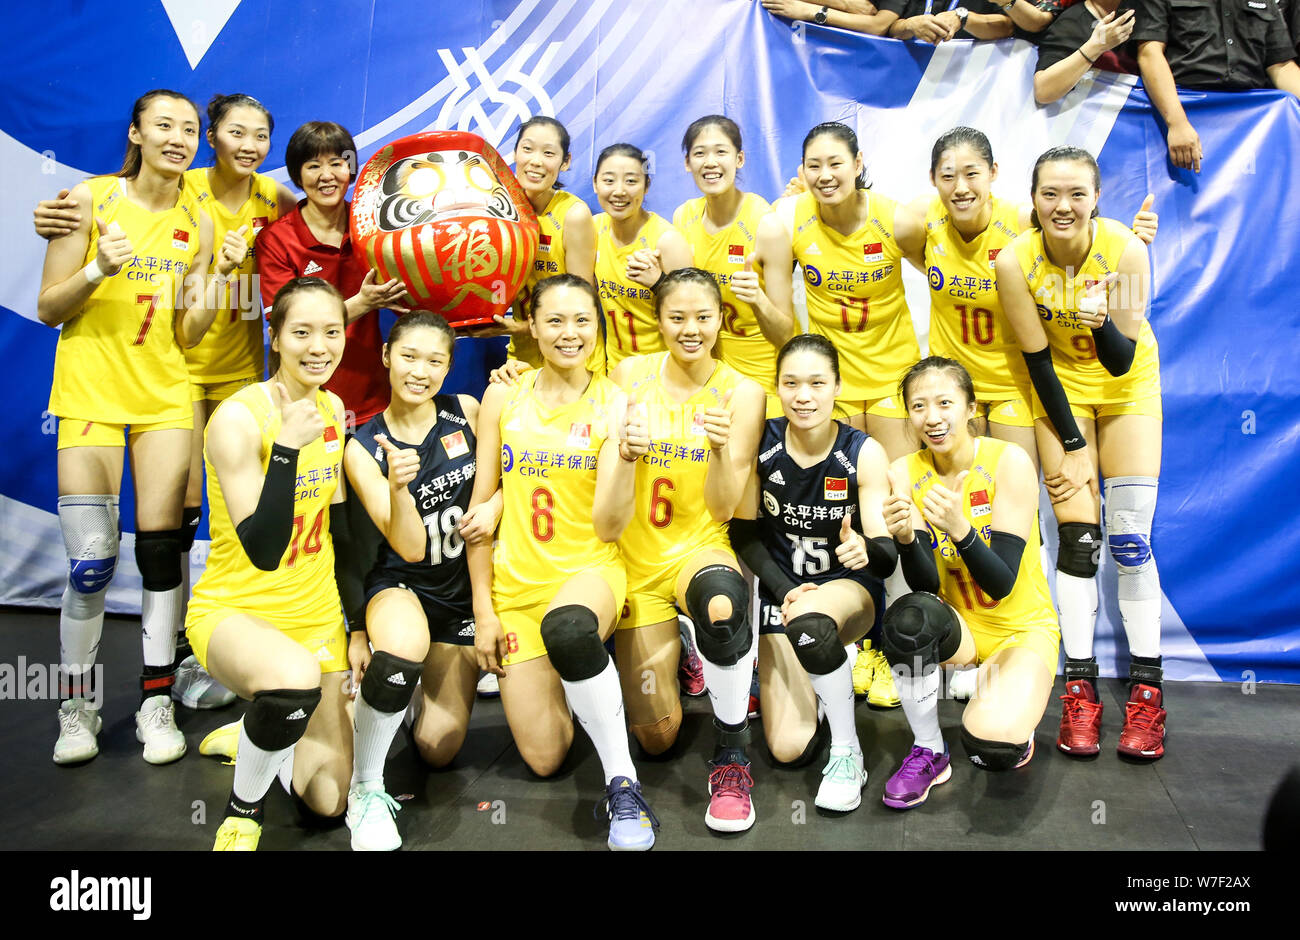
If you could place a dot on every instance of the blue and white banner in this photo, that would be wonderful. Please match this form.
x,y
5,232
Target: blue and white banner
x,y
1223,313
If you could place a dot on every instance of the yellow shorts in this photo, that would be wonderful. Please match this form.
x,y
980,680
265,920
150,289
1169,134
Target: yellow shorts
x,y
219,391
774,409
1151,407
74,432
1043,640
1012,413
887,407
655,600
523,625
327,642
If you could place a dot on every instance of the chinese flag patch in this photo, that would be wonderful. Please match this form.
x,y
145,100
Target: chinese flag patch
x,y
180,239
837,488
331,437
735,254
873,252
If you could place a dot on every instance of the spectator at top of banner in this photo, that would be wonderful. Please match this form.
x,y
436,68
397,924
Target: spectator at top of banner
x,y
1219,45
1090,35
932,21
1031,17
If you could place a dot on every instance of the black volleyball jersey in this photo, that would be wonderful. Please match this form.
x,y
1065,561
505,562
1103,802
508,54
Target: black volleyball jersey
x,y
442,489
804,507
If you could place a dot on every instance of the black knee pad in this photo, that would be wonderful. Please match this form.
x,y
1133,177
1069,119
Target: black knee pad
x,y
1080,550
919,630
991,755
278,718
158,555
816,642
727,641
389,682
190,516
572,637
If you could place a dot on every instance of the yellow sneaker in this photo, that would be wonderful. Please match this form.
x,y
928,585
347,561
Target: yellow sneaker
x,y
224,742
864,670
237,835
882,693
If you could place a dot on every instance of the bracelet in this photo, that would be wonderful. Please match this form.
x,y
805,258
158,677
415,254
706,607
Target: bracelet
x,y
1085,55
94,273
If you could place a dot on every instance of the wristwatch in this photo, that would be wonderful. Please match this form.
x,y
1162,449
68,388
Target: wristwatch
x,y
820,16
1006,7
962,15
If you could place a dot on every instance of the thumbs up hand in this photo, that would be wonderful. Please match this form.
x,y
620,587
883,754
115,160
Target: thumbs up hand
x,y
1146,222
234,249
634,436
717,423
113,248
852,550
744,283
300,421
942,508
897,510
403,463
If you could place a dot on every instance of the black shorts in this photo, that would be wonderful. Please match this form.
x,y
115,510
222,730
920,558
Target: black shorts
x,y
769,611
451,625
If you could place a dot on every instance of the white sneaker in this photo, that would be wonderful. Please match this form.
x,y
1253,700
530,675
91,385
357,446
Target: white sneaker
x,y
488,686
79,723
370,817
843,778
155,728
194,688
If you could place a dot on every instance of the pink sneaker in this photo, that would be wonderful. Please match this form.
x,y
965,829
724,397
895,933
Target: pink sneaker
x,y
690,670
730,808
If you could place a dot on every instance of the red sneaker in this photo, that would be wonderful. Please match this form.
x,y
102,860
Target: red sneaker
x,y
1080,734
690,669
1143,735
730,808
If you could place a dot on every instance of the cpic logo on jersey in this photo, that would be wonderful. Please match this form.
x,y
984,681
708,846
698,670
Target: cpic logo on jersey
x,y
507,458
771,505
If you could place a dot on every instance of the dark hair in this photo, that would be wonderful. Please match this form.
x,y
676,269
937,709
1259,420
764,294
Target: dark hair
x,y
813,343
674,279
939,364
729,128
844,134
284,298
317,139
1059,155
133,160
623,150
221,105
955,138
542,120
544,286
417,319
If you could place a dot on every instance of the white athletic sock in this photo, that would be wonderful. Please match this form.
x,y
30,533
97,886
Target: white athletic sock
x,y
729,689
895,586
851,651
597,704
285,771
920,696
1076,605
255,768
835,692
1139,607
374,733
159,616
81,624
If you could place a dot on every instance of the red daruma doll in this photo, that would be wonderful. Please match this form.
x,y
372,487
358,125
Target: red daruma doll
x,y
443,213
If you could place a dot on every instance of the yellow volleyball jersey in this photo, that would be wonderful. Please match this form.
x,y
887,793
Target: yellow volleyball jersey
x,y
966,318
548,481
548,263
741,344
301,591
1030,603
670,521
855,296
232,347
117,360
1057,296
630,324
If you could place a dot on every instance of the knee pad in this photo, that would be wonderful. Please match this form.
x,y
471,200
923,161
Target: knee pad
x,y
816,643
90,535
992,755
919,630
278,718
190,516
389,682
158,555
1130,506
1079,552
723,642
572,637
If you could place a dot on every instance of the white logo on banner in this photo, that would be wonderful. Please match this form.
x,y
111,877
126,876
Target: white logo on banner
x,y
198,23
464,108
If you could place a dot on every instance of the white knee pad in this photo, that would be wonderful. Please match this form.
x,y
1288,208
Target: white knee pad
x,y
90,534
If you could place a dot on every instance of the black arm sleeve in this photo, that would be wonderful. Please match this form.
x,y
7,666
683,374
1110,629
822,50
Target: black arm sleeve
x,y
882,556
1115,351
745,540
994,566
919,569
347,569
266,533
1052,395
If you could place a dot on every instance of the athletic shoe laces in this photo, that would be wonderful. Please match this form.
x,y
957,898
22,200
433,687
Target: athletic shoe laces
x,y
731,778
70,721
625,803
377,801
917,764
160,719
841,769
1142,718
1079,712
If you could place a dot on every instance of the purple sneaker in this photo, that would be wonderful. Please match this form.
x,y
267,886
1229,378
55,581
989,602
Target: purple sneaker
x,y
921,770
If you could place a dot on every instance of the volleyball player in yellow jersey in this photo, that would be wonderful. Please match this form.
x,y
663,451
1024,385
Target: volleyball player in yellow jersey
x,y
567,244
266,619
129,288
721,227
560,445
964,513
1074,288
634,249
850,243
704,421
